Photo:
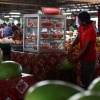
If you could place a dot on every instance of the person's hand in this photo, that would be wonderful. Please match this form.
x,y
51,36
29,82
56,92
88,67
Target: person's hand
x,y
70,50
73,60
9,37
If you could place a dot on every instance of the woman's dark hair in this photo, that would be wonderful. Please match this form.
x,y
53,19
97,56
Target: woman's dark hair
x,y
84,17
20,34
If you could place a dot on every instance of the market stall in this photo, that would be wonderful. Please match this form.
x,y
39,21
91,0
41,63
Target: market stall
x,y
44,46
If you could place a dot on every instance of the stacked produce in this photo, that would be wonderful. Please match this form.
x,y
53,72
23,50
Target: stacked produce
x,y
70,38
98,44
9,41
76,49
60,90
9,69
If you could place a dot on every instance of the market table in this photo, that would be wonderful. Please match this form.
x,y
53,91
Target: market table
x,y
17,47
41,65
6,48
15,88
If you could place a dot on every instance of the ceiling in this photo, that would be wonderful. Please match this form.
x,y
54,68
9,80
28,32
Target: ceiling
x,y
32,6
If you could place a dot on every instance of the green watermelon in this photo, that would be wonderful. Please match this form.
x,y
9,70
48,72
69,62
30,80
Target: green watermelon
x,y
10,69
95,85
86,95
52,90
65,64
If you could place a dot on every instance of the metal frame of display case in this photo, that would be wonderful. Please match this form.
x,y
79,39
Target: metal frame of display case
x,y
39,17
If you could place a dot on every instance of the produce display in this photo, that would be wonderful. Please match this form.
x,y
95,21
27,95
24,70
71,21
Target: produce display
x,y
29,24
52,90
48,35
76,49
98,44
10,41
70,36
9,69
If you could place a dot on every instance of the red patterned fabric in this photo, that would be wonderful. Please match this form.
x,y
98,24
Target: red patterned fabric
x,y
15,88
40,65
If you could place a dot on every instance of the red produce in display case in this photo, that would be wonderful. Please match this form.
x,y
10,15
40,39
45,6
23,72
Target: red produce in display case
x,y
34,36
35,23
34,47
58,24
29,35
54,36
54,47
44,35
29,24
47,24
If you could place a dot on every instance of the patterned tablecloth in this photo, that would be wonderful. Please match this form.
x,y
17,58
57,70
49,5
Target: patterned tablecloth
x,y
40,65
15,88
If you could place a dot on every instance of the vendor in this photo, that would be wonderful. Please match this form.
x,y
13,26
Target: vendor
x,y
16,36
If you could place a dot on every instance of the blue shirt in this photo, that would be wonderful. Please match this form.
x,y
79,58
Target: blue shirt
x,y
7,31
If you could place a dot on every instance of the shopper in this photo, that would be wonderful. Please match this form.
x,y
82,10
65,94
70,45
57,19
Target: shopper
x,y
16,36
7,31
1,31
19,28
87,56
71,28
14,27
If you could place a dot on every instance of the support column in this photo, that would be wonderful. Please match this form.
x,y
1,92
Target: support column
x,y
99,19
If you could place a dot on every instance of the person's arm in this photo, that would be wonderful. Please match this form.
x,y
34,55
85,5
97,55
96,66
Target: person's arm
x,y
84,50
75,42
10,37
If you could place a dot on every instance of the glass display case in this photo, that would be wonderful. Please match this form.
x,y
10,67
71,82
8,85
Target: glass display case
x,y
44,33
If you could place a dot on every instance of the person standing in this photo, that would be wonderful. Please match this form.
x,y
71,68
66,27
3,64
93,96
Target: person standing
x,y
16,36
7,31
71,28
87,55
1,31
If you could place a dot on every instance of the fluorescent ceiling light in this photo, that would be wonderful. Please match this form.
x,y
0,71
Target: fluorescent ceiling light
x,y
14,16
67,13
7,16
92,11
10,18
14,13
